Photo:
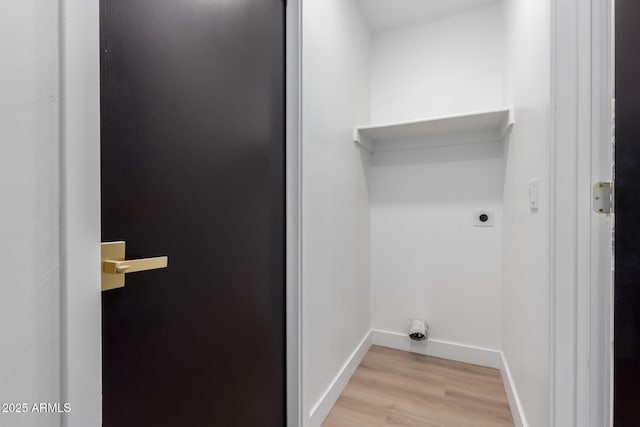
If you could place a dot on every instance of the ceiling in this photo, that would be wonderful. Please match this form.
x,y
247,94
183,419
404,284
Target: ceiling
x,y
387,14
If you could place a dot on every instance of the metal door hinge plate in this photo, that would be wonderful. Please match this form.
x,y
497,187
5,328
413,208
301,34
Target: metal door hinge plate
x,y
603,197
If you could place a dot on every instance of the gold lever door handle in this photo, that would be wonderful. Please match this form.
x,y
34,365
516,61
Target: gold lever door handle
x,y
133,266
114,265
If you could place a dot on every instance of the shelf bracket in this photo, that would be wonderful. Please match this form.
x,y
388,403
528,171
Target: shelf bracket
x,y
362,140
507,125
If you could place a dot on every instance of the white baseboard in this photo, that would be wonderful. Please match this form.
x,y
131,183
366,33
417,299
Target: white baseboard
x,y
446,350
512,394
322,408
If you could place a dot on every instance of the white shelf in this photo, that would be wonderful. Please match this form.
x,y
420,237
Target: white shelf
x,y
473,127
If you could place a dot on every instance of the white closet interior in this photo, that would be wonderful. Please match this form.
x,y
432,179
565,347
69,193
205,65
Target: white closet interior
x,y
416,115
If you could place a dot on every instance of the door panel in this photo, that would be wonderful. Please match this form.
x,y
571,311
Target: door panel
x,y
627,258
192,100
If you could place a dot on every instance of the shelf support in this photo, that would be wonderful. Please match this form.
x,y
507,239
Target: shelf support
x,y
508,124
362,140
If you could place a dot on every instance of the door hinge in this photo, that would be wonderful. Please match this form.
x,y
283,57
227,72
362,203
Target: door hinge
x,y
603,197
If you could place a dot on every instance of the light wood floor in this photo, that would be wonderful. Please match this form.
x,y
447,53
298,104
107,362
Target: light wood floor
x,y
395,388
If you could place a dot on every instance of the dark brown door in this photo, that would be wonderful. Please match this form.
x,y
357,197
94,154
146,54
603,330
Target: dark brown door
x,y
193,168
627,217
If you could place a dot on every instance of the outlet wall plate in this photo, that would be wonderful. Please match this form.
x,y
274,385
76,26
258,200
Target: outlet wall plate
x,y
483,218
534,185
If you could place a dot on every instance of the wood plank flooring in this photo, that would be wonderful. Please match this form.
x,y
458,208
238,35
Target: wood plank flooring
x,y
396,388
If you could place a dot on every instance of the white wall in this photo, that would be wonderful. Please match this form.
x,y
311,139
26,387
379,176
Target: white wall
x,y
29,214
428,259
445,66
335,199
526,234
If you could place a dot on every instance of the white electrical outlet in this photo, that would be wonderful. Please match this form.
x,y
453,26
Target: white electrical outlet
x,y
483,218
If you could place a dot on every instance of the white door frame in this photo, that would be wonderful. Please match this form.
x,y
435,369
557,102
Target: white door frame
x,y
581,91
81,358
294,200
81,366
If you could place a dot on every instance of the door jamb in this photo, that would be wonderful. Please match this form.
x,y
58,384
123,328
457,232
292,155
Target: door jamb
x,y
81,352
81,358
294,200
581,42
